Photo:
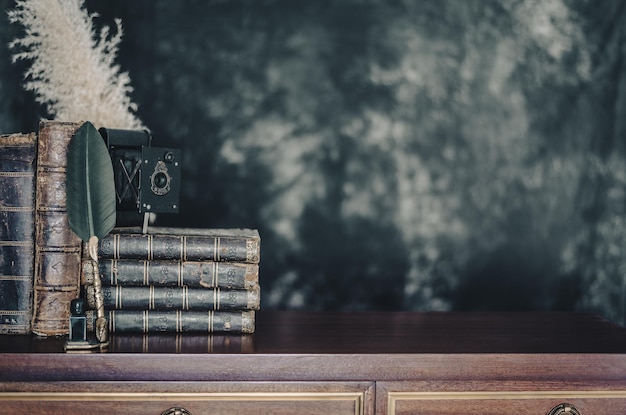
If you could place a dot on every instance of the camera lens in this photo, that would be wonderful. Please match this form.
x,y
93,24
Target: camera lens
x,y
160,180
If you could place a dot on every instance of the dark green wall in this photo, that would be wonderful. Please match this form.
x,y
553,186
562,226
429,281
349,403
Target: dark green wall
x,y
431,155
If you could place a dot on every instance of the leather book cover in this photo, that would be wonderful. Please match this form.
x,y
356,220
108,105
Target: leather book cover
x,y
164,273
187,343
177,321
17,231
183,244
57,247
174,298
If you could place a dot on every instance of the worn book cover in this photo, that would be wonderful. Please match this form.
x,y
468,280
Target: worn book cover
x,y
57,248
177,321
17,231
174,298
187,343
171,273
183,244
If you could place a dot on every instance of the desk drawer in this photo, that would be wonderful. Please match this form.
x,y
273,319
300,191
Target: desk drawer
x,y
148,398
399,400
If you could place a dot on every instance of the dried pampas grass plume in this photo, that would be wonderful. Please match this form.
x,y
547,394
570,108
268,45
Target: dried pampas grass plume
x,y
72,70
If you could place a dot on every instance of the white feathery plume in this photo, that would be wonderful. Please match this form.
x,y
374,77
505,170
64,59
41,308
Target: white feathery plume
x,y
72,70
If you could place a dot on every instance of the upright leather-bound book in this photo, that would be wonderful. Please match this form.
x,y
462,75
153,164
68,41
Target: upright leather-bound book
x,y
57,247
17,231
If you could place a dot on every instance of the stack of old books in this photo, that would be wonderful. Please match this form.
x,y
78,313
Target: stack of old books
x,y
177,280
168,280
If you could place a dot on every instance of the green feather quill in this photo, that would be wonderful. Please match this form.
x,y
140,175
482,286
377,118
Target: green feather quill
x,y
90,184
90,201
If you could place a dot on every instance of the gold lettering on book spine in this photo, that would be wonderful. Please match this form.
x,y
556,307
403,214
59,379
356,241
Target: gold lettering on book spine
x,y
17,174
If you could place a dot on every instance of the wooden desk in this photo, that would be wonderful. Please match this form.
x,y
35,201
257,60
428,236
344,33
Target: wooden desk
x,y
334,363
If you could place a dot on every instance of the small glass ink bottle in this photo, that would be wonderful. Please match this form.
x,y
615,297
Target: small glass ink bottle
x,y
78,321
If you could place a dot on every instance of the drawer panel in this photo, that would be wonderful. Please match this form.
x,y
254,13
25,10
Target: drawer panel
x,y
496,403
197,398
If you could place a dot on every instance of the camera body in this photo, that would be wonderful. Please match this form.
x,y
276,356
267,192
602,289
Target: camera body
x,y
147,179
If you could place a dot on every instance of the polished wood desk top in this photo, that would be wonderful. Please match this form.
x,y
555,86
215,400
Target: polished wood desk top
x,y
406,332
295,345
298,332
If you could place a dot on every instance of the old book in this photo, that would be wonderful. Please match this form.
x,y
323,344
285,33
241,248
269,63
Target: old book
x,y
177,321
17,231
167,273
183,244
57,248
187,343
175,298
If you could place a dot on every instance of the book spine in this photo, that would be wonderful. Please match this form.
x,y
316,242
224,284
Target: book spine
x,y
180,247
188,342
17,231
176,321
175,298
57,248
160,273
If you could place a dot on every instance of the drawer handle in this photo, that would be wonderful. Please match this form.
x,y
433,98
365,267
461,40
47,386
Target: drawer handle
x,y
176,411
564,409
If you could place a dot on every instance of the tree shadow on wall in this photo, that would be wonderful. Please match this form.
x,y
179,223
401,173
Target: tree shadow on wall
x,y
517,276
350,264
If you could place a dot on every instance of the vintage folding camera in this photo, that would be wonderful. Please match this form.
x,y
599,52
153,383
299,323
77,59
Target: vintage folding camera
x,y
147,179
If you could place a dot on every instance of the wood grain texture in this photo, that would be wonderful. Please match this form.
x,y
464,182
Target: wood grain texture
x,y
198,398
360,333
438,333
335,363
291,346
497,397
